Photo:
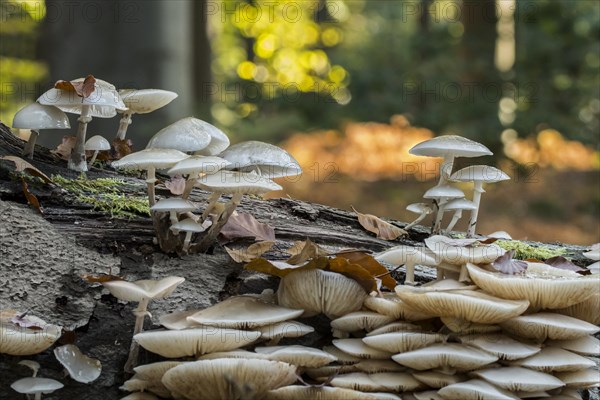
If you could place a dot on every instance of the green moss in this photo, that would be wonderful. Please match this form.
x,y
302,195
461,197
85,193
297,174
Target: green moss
x,y
524,251
110,195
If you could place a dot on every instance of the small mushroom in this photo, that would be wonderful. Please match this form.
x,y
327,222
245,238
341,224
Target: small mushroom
x,y
36,116
542,326
502,346
189,226
399,342
141,101
445,356
96,144
478,174
265,159
358,321
422,209
195,166
381,382
79,366
518,378
475,389
389,304
458,206
36,386
298,392
173,206
285,329
187,135
142,292
356,347
409,256
300,356
442,194
554,359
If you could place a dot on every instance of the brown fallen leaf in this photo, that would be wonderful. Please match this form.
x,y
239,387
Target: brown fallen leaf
x,y
64,149
67,337
176,185
353,271
31,199
562,263
250,253
83,89
281,268
121,148
507,265
309,251
23,166
244,225
372,266
383,230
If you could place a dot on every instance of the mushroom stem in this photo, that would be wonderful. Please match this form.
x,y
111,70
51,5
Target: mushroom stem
x,y
123,125
218,223
186,241
416,221
93,158
150,181
212,200
477,191
77,161
446,169
30,145
173,217
409,278
439,215
38,396
134,349
454,220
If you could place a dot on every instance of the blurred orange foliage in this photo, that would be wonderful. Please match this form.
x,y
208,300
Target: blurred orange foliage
x,y
367,151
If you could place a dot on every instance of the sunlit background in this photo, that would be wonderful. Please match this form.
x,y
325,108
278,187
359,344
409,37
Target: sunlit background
x,y
348,86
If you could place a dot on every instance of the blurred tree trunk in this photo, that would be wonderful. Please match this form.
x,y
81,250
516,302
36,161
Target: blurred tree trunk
x,y
482,86
133,44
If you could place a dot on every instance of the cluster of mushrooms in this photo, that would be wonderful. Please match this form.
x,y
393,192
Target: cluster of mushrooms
x,y
449,198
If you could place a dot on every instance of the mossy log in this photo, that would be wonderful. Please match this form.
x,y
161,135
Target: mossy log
x,y
43,256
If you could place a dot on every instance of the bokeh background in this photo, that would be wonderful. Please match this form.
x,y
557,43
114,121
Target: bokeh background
x,y
348,86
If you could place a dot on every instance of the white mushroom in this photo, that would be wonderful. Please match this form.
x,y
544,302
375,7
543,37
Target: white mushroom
x,y
173,206
267,160
422,209
408,256
36,116
458,206
96,144
189,226
442,194
186,135
141,101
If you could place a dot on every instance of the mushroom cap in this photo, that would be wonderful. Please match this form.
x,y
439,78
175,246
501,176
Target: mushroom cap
x,y
298,392
436,379
360,320
464,327
583,379
80,367
143,101
316,291
143,289
377,366
427,395
33,385
194,341
455,145
587,310
103,102
585,345
198,165
284,329
443,191
190,225
500,235
39,116
97,143
148,378
232,182
542,326
555,359
218,142
419,208
356,347
391,305
398,326
342,357
272,161
474,306
459,204
187,134
237,354
517,378
445,355
444,248
140,396
300,356
593,254
20,340
243,312
380,382
403,254
502,346
225,378
543,285
174,204
150,158
475,389
177,320
400,342
479,173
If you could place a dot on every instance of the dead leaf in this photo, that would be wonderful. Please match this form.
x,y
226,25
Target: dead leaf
x,y
23,322
296,248
82,89
23,166
31,199
353,271
121,148
101,278
562,263
251,253
383,230
373,266
309,250
281,269
64,149
243,225
67,337
176,185
488,240
507,265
